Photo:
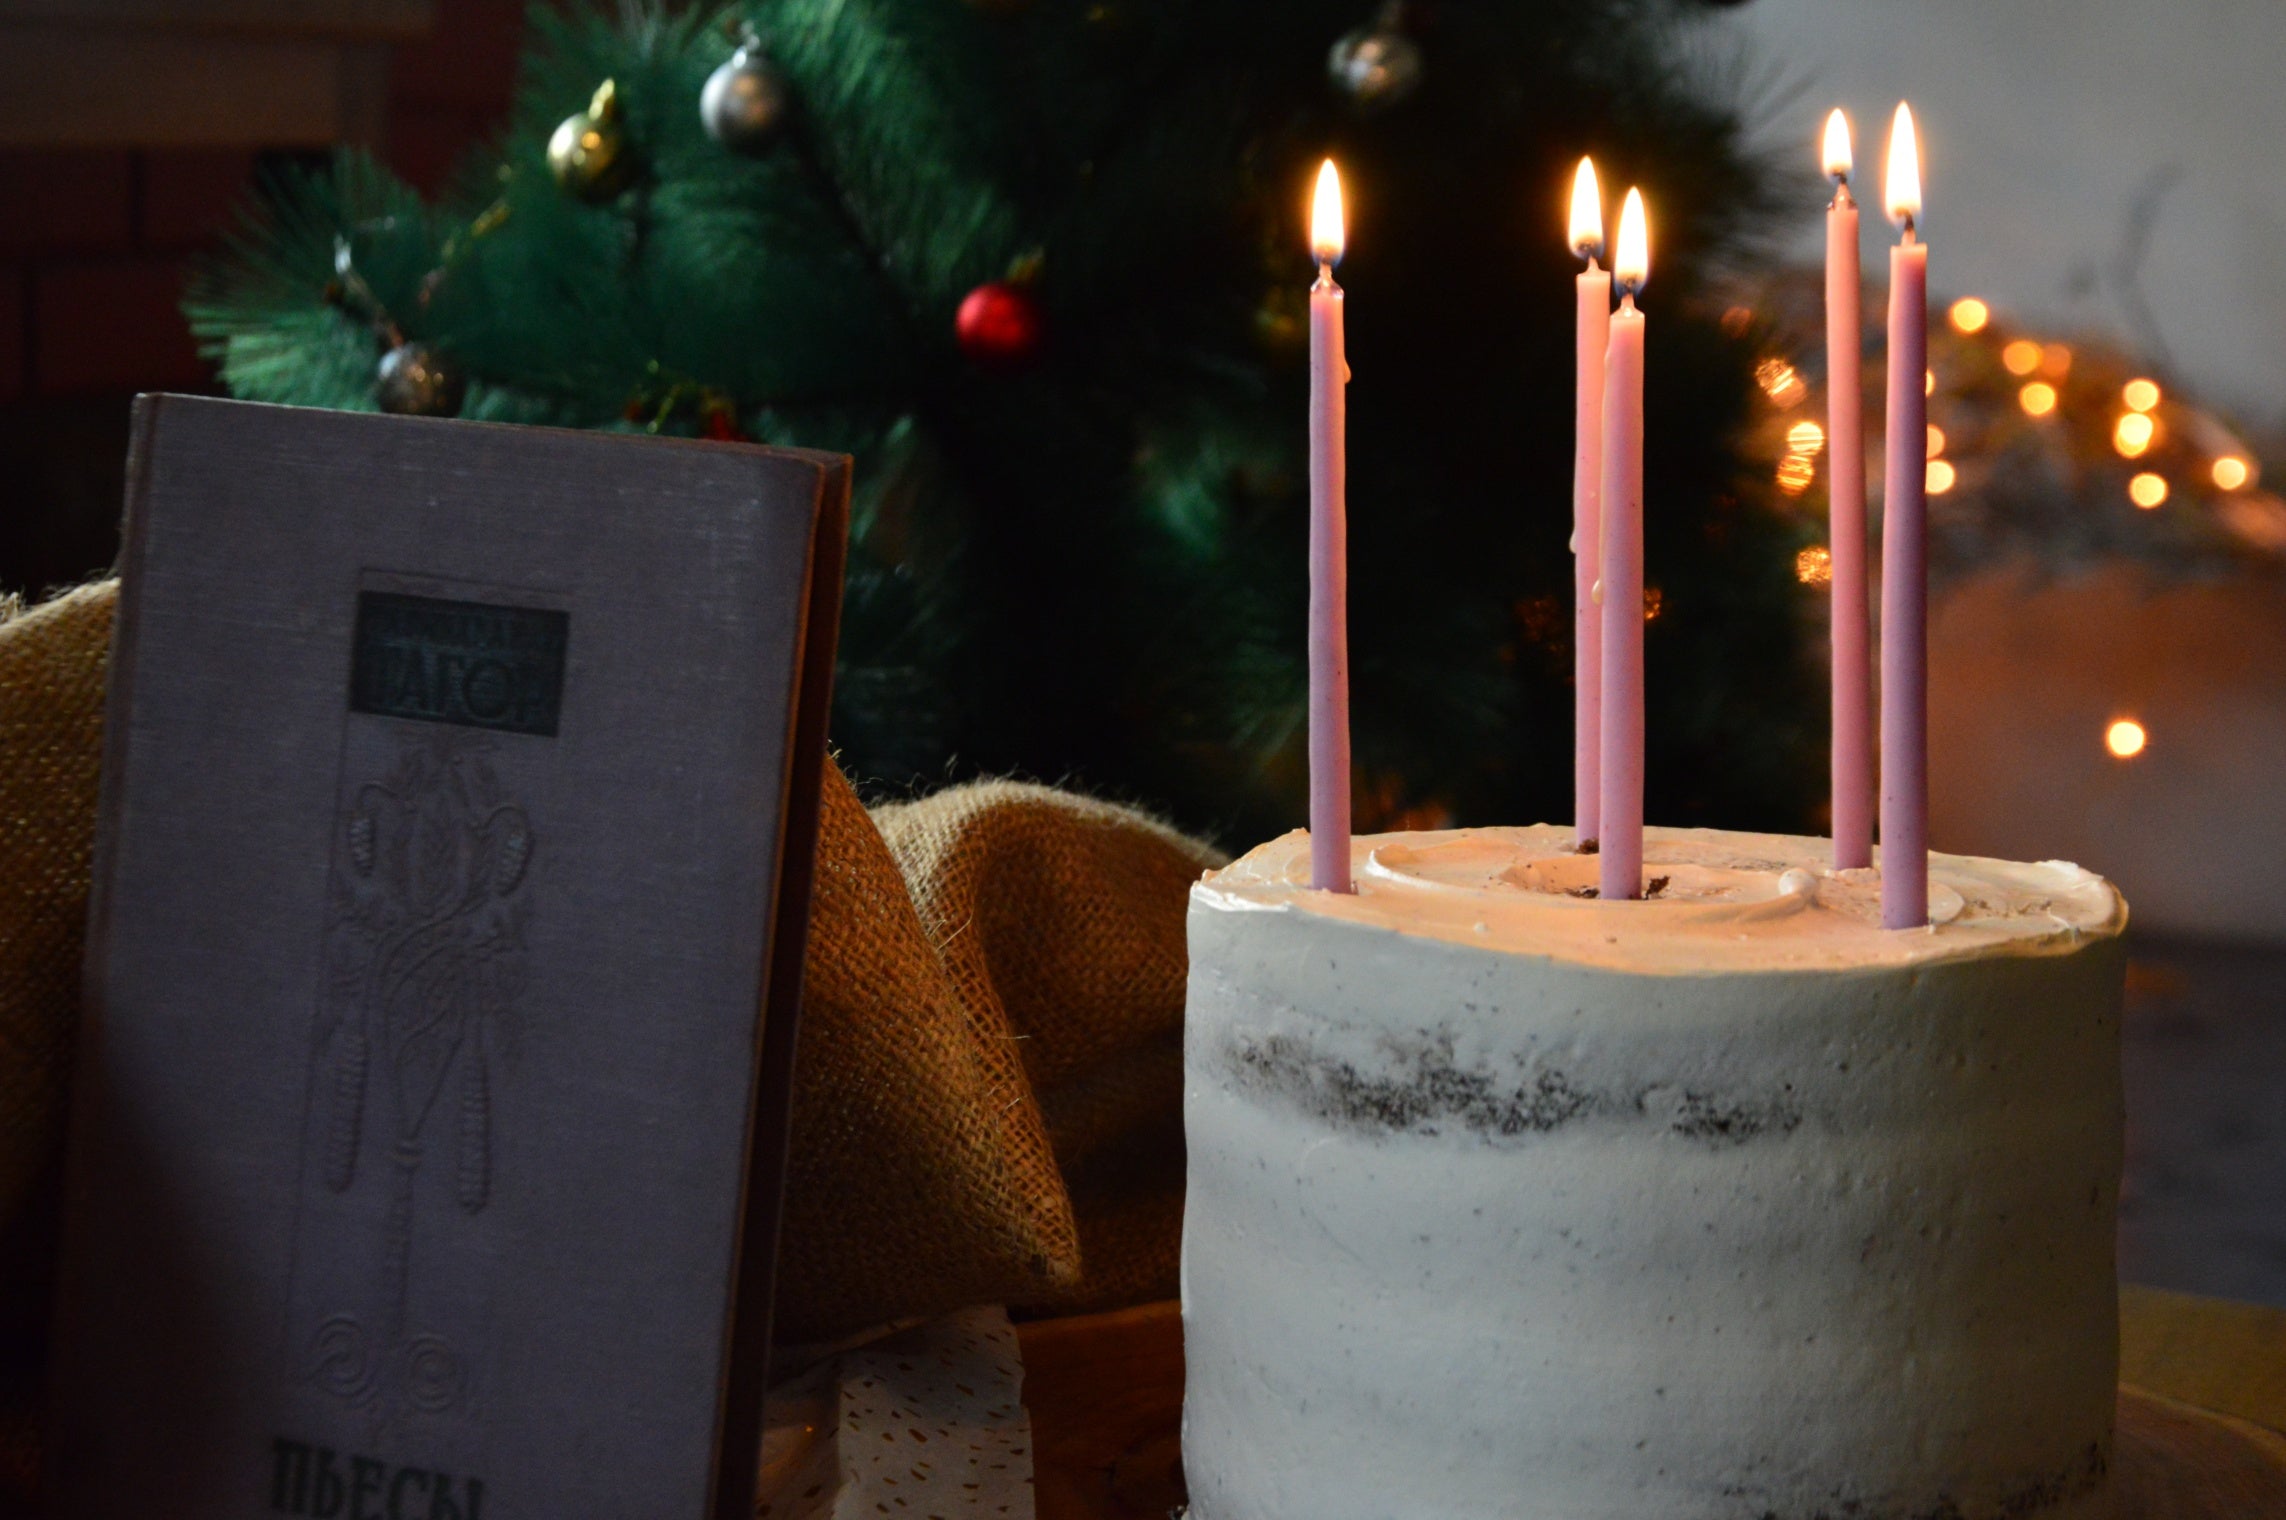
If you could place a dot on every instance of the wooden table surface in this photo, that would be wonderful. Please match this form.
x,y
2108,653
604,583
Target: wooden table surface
x,y
1106,1394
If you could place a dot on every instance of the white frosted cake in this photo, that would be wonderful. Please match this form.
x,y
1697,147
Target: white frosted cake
x,y
1509,1204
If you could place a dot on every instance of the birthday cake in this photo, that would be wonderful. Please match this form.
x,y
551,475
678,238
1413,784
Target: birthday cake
x,y
1509,1202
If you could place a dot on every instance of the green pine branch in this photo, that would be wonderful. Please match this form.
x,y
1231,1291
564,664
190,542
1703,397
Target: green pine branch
x,y
1090,568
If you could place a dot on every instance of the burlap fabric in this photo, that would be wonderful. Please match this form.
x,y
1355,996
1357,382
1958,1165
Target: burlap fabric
x,y
1060,919
1011,1021
52,662
921,1177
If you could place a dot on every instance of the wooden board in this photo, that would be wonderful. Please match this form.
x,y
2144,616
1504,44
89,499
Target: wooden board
x,y
2206,1351
1106,1396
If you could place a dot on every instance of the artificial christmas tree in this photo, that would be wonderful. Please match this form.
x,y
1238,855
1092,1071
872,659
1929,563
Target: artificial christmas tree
x,y
1040,267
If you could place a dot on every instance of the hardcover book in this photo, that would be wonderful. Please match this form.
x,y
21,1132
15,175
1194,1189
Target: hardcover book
x,y
459,795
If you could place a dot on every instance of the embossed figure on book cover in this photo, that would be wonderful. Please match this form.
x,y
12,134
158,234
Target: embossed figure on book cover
x,y
453,702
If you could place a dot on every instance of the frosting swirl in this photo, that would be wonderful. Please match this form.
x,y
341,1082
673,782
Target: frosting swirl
x,y
1714,900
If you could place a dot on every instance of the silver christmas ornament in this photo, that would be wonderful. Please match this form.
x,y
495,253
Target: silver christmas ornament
x,y
414,380
1376,66
746,101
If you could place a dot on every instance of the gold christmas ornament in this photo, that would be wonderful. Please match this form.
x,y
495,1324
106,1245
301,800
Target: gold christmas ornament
x,y
1282,321
589,154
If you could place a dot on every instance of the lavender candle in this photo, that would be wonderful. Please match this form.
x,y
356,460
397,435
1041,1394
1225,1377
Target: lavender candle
x,y
1620,861
1329,551
1594,336
1905,557
1852,750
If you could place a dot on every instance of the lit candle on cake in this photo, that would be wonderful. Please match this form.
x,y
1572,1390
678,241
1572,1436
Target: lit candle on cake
x,y
1620,862
1852,777
1905,556
1329,551
1594,334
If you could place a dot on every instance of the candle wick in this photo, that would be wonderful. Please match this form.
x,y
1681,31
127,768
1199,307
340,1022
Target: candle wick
x,y
1627,289
1590,252
1909,229
1325,275
1842,198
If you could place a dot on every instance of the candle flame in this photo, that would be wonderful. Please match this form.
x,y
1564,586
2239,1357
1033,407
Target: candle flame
x,y
1838,155
1904,188
1587,211
1631,264
1328,233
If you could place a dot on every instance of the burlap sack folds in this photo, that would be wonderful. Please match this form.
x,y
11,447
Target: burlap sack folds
x,y
987,1103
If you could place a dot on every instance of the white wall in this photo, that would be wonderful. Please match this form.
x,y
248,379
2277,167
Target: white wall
x,y
2041,121
2026,673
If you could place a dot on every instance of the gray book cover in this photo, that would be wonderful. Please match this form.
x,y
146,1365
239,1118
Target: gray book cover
x,y
451,876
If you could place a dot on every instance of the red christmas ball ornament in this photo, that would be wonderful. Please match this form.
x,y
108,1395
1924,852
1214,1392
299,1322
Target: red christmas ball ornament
x,y
999,325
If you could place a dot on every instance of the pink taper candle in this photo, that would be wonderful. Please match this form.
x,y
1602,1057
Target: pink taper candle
x,y
1845,453
1905,558
1620,856
1329,551
1594,335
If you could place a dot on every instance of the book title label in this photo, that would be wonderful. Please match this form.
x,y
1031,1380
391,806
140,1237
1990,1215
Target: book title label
x,y
468,663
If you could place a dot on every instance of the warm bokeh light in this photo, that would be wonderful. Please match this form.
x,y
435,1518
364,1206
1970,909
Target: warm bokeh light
x,y
1328,232
1928,382
1631,260
1903,190
2038,399
1814,566
2132,434
2147,490
1780,382
1970,314
2232,473
1941,477
2257,517
2022,356
1936,440
1837,146
1587,211
2056,361
1805,438
1653,601
2140,395
2125,738
1795,472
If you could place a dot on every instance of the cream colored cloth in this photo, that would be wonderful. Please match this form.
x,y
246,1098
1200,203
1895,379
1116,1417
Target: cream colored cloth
x,y
929,1421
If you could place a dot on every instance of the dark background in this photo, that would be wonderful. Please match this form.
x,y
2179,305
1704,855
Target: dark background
x,y
93,246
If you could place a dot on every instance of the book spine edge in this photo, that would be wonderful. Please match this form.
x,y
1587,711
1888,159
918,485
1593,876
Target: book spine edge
x,y
118,703
738,1439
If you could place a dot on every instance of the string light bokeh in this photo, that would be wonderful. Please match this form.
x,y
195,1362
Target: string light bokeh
x,y
2037,447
